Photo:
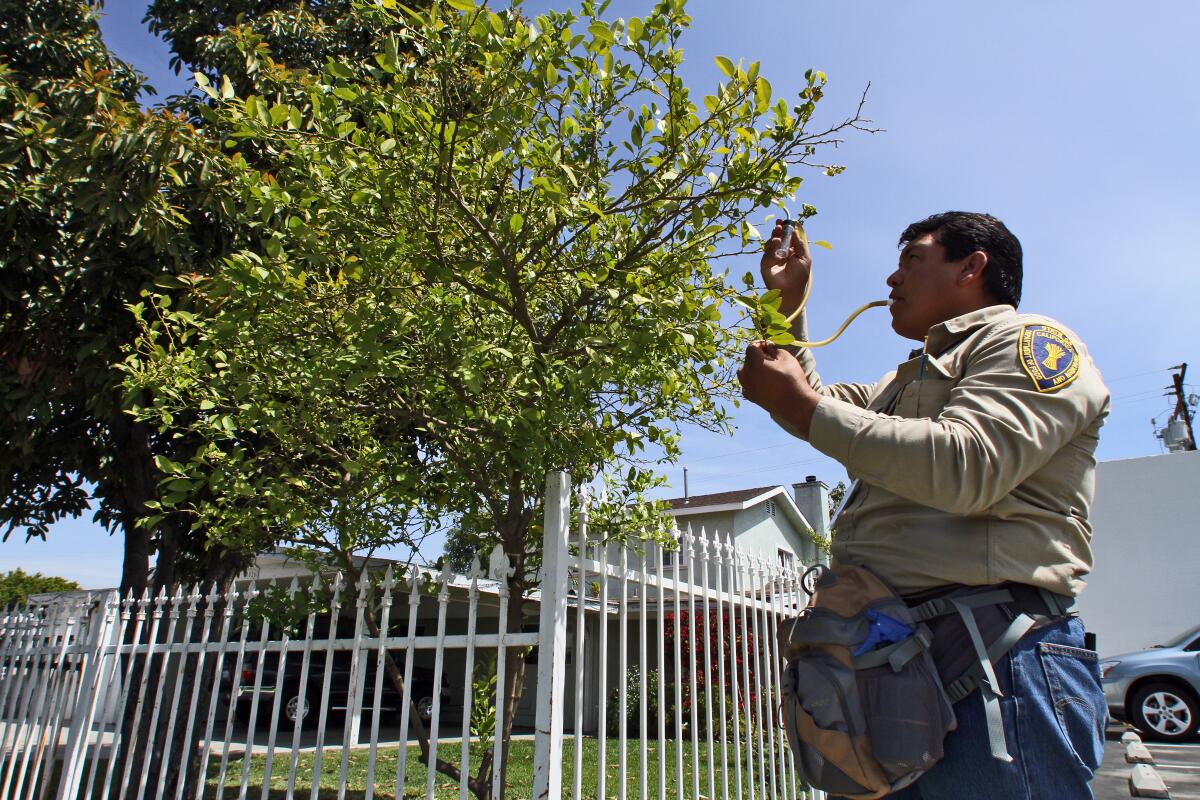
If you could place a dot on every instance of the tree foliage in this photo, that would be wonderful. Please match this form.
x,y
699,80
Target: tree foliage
x,y
216,36
93,194
16,586
505,251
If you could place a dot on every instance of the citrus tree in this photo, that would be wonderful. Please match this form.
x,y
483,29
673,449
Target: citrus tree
x,y
493,253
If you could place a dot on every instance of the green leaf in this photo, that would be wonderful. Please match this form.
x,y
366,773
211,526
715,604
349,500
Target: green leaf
x,y
339,70
387,146
515,223
346,93
461,5
783,338
823,243
726,65
601,33
168,466
762,95
226,88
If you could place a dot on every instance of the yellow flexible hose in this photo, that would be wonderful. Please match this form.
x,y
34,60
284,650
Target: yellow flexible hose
x,y
804,300
846,324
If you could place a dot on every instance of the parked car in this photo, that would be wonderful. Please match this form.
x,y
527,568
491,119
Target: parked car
x,y
302,699
1158,689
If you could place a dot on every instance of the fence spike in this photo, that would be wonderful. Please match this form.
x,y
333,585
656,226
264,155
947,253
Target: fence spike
x,y
364,582
293,586
499,567
444,580
389,580
476,570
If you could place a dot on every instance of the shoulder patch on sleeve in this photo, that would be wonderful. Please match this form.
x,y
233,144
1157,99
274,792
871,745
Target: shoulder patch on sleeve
x,y
1049,357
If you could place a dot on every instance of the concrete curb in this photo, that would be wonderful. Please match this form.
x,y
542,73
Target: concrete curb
x,y
1144,781
1136,753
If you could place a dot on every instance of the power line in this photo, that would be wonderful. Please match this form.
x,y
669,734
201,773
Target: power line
x,y
732,453
1135,375
756,470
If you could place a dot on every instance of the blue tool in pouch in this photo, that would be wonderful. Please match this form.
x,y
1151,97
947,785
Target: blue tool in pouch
x,y
885,630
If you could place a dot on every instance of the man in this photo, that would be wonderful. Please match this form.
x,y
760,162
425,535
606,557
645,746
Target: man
x,y
974,466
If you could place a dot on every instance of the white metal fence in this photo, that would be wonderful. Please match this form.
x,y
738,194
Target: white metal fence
x,y
663,665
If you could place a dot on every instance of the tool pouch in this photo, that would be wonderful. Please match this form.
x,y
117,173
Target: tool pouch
x,y
865,714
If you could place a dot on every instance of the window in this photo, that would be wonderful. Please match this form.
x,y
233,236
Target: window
x,y
787,559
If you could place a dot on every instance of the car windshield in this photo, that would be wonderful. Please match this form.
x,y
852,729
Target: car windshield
x,y
1182,638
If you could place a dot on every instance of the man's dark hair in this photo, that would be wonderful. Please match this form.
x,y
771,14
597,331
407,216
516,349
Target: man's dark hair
x,y
964,232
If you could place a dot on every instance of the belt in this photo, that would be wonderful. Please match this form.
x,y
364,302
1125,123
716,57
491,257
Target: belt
x,y
1024,608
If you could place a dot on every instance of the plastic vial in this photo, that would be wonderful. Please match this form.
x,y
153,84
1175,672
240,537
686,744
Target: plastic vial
x,y
785,245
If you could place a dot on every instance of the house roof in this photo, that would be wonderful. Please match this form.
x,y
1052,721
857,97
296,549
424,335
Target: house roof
x,y
719,498
739,500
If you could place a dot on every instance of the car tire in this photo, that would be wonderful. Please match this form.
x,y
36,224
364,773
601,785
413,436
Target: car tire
x,y
1165,713
425,708
294,701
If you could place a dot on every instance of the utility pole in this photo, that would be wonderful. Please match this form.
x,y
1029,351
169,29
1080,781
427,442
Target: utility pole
x,y
1181,405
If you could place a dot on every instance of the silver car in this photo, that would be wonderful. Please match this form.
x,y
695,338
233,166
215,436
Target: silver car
x,y
1158,690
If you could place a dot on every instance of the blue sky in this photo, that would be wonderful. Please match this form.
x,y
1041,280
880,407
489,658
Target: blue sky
x,y
1074,121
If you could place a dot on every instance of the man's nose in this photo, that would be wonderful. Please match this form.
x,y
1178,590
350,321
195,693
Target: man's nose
x,y
893,280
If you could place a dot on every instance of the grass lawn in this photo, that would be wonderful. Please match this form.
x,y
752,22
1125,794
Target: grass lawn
x,y
520,778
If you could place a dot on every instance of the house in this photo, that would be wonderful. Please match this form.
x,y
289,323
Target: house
x,y
778,526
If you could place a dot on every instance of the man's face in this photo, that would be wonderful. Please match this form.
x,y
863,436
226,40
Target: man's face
x,y
925,288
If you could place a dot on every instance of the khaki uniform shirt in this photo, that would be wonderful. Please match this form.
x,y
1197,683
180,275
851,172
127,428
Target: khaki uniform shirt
x,y
974,462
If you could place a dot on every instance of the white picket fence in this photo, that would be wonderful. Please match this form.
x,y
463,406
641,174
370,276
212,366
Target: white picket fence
x,y
690,631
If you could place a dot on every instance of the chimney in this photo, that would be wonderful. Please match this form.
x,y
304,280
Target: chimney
x,y
812,498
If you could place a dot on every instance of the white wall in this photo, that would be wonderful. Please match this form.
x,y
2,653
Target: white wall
x,y
1145,586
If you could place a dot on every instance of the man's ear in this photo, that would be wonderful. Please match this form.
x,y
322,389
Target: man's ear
x,y
971,271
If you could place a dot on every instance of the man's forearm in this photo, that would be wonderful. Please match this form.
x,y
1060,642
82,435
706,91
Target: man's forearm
x,y
798,413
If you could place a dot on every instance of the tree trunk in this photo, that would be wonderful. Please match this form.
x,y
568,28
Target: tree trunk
x,y
513,537
137,485
135,465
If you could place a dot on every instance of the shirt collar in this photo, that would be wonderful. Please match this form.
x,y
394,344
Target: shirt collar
x,y
944,334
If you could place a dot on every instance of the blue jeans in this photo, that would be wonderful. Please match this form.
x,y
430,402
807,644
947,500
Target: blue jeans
x,y
1054,716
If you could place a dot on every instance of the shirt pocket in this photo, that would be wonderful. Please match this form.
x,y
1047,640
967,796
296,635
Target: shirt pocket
x,y
924,399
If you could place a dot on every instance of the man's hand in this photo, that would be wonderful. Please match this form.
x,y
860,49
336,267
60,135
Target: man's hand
x,y
772,377
790,275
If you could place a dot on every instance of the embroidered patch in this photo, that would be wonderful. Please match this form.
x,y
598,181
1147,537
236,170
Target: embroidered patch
x,y
1049,357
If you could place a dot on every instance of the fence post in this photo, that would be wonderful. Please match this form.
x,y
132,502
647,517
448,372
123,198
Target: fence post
x,y
552,640
91,687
